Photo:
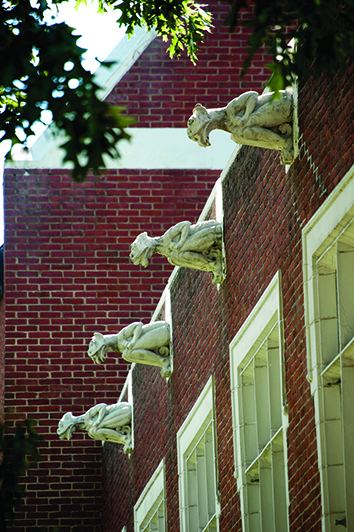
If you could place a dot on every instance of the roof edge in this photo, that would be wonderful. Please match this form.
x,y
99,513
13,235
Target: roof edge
x,y
123,57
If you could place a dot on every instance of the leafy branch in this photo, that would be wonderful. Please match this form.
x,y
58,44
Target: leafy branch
x,y
323,31
182,22
42,72
15,451
45,74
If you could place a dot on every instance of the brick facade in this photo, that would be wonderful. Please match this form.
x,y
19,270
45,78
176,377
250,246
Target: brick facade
x,y
265,210
161,92
67,275
2,360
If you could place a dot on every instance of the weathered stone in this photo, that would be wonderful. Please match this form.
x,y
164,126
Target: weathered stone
x,y
196,246
102,422
264,121
144,344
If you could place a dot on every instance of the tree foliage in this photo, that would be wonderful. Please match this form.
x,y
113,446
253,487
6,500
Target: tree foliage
x,y
41,70
323,31
182,22
41,62
15,450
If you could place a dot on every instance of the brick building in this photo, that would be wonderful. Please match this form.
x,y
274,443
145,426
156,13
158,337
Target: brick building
x,y
67,272
253,431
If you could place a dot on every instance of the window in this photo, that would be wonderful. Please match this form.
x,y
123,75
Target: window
x,y
328,241
257,390
150,510
196,448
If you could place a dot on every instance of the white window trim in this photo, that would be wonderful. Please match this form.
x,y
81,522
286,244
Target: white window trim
x,y
127,395
266,314
150,496
198,419
165,303
257,321
216,196
321,231
329,217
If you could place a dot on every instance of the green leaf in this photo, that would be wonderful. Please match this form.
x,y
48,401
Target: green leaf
x,y
16,449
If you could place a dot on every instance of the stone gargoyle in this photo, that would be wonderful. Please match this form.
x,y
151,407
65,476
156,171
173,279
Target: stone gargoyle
x,y
196,246
144,344
262,120
102,422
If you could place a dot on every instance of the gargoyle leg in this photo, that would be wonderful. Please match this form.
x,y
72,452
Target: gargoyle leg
x,y
144,356
263,134
116,419
107,435
189,259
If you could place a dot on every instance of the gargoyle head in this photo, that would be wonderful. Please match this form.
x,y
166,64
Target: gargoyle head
x,y
97,348
197,126
141,250
66,426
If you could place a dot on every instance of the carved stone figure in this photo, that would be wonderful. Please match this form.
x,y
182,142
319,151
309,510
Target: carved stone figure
x,y
196,246
252,119
102,422
145,344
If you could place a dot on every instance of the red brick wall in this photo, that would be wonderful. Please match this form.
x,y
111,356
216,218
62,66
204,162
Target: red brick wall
x,y
2,359
264,213
161,92
326,154
68,275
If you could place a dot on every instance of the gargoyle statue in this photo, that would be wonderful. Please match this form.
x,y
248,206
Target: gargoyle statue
x,y
145,344
102,422
196,246
264,121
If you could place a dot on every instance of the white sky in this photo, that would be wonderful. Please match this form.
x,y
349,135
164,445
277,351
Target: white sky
x,y
100,35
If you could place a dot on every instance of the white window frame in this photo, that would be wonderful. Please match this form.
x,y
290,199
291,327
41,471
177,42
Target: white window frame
x,y
263,325
318,237
163,311
126,395
196,424
153,495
